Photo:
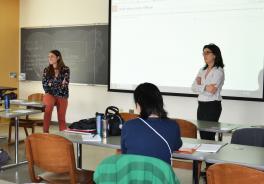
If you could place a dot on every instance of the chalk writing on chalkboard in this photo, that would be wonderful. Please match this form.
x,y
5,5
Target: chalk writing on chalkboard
x,y
84,49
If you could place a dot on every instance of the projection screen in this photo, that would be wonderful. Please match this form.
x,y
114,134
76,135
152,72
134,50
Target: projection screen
x,y
161,41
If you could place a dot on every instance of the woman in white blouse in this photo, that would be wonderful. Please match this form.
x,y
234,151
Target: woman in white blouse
x,y
208,84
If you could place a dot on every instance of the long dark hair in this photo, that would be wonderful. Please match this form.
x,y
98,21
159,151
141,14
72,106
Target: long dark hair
x,y
218,56
60,63
149,98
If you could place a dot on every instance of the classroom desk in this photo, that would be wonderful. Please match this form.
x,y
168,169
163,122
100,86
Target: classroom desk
x,y
109,142
196,156
217,127
28,103
9,113
250,156
250,126
2,91
114,142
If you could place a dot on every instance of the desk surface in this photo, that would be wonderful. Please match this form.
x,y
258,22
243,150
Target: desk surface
x,y
211,126
110,142
114,142
250,156
196,155
12,113
27,103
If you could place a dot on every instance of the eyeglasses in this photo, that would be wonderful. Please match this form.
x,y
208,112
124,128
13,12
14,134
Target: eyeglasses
x,y
206,53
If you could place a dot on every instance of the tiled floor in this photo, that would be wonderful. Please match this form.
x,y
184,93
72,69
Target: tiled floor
x,y
92,155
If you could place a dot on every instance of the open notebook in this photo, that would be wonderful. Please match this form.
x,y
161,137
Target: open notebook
x,y
91,137
80,131
209,148
188,148
86,135
191,148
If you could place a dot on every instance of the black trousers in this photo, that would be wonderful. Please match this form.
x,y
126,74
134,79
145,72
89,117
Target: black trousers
x,y
209,111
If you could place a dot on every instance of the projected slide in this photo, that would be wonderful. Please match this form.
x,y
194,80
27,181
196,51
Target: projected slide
x,y
161,41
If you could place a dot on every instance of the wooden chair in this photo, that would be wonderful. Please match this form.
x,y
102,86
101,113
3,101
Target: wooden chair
x,y
233,174
188,129
128,116
55,155
27,122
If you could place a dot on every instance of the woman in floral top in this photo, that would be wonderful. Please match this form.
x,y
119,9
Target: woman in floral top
x,y
55,83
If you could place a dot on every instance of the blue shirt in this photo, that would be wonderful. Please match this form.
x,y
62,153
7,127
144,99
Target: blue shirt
x,y
137,138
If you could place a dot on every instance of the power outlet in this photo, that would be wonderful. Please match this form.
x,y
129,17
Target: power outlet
x,y
12,75
131,111
22,76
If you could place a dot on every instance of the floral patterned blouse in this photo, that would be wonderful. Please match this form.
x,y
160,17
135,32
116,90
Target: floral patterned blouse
x,y
57,86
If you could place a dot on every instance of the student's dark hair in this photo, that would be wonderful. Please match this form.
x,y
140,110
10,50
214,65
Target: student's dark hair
x,y
218,56
60,63
149,98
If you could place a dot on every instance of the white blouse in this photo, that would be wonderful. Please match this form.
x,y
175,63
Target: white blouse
x,y
215,76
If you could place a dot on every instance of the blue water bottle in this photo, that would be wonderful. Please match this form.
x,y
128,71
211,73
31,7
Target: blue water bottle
x,y
99,123
7,102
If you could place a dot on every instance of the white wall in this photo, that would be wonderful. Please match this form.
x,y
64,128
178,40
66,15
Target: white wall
x,y
38,13
84,101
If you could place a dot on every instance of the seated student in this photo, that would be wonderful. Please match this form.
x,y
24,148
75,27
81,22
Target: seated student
x,y
153,133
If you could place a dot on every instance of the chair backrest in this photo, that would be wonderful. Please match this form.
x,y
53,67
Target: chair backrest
x,y
51,153
36,97
134,168
248,136
128,116
233,174
187,128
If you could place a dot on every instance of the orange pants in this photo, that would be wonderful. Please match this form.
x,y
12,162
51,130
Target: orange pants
x,y
50,101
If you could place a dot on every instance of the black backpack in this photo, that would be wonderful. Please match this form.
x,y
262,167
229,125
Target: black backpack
x,y
114,119
84,124
4,157
11,95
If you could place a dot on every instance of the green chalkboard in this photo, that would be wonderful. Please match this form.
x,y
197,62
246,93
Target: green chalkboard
x,y
84,49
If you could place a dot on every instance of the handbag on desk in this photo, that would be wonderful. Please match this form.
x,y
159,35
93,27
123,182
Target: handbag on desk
x,y
114,121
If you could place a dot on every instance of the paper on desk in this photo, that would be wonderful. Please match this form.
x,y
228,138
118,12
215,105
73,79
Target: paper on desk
x,y
22,111
209,148
31,103
77,132
91,137
17,101
188,147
